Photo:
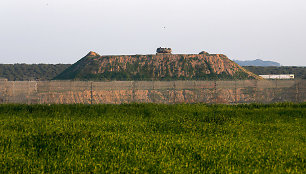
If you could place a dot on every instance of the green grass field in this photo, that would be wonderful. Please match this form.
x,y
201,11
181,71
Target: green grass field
x,y
153,138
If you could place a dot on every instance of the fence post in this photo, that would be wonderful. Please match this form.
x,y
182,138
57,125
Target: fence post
x,y
215,91
28,97
4,92
296,91
194,92
153,89
13,92
91,92
133,92
37,91
275,91
174,92
235,91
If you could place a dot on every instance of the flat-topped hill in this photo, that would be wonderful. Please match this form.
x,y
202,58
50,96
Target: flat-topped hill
x,y
155,67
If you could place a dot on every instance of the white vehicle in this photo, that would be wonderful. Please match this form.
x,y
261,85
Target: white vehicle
x,y
278,76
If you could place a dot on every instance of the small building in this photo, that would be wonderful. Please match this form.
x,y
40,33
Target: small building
x,y
278,76
161,50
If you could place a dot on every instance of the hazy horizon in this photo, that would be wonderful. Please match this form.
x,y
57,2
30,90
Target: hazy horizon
x,y
63,31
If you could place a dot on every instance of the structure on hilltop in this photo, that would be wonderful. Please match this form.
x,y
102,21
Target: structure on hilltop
x,y
161,50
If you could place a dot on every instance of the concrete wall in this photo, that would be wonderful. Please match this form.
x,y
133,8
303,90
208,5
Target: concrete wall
x,y
116,92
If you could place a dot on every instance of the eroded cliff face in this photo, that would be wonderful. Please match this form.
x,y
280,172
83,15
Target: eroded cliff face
x,y
156,67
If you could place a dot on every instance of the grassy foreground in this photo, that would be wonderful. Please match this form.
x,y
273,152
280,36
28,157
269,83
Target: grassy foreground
x,y
152,138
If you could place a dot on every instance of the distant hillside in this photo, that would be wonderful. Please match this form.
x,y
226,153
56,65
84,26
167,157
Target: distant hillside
x,y
299,72
25,72
155,67
256,62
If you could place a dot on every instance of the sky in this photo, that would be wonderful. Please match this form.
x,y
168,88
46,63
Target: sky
x,y
63,31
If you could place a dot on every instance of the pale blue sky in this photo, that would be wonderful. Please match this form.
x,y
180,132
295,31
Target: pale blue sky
x,y
63,31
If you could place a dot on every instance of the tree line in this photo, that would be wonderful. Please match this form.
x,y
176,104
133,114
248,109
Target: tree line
x,y
26,72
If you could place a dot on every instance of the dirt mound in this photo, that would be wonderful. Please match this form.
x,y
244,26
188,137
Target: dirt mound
x,y
202,66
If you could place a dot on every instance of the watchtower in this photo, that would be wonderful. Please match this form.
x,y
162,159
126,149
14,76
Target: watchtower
x,y
161,50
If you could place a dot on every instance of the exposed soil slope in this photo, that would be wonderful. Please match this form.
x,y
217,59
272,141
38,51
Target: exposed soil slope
x,y
155,67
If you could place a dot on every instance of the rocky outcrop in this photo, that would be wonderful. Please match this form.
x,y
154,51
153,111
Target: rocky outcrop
x,y
156,67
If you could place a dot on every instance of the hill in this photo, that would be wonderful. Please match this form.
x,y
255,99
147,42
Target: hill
x,y
25,72
155,67
256,62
